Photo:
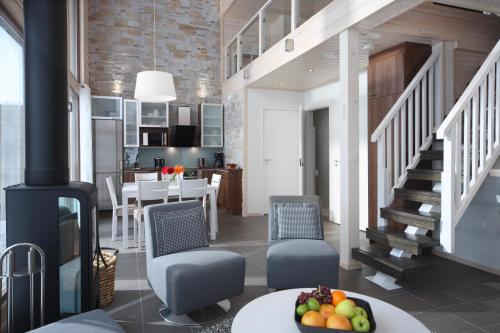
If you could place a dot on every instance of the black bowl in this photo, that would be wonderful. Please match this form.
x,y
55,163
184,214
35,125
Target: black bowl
x,y
359,302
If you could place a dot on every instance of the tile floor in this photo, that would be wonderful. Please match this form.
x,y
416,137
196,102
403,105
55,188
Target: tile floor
x,y
447,297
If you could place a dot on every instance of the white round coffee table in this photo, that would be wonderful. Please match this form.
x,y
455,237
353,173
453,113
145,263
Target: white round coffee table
x,y
275,313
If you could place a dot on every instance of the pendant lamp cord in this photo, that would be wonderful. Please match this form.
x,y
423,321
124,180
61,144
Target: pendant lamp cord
x,y
154,34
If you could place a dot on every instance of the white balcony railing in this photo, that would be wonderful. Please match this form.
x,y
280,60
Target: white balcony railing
x,y
274,21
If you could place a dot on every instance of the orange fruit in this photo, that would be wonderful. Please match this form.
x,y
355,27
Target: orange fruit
x,y
313,318
338,322
338,296
326,310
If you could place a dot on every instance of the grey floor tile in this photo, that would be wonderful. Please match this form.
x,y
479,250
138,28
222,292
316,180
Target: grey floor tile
x,y
441,322
466,293
474,314
491,304
492,329
436,297
408,303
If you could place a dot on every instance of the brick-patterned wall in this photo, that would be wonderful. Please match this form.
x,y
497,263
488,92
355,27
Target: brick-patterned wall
x,y
188,46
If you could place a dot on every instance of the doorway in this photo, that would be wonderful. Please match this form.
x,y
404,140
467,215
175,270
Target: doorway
x,y
282,146
317,150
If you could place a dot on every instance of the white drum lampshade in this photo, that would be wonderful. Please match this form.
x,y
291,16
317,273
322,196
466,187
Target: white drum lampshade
x,y
155,87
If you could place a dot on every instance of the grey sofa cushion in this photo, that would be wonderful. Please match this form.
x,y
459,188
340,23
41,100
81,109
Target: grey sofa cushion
x,y
300,263
297,221
96,321
179,230
190,280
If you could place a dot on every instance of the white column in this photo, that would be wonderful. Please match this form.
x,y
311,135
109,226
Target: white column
x,y
349,147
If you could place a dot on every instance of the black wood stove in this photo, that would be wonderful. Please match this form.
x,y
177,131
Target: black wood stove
x,y
48,210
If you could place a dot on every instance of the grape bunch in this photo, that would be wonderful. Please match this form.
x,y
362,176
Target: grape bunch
x,y
322,294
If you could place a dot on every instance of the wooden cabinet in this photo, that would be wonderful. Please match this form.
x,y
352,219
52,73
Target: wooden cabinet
x,y
389,73
230,191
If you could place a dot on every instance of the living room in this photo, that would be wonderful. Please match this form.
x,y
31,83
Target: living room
x,y
249,166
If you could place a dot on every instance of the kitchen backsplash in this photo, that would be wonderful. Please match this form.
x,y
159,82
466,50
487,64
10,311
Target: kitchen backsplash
x,y
185,156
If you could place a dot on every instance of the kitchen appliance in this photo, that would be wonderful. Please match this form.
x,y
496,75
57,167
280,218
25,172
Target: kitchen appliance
x,y
153,137
219,160
50,211
190,174
159,162
202,162
183,136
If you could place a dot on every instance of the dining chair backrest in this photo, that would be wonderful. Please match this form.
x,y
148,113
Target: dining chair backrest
x,y
192,188
179,176
152,190
216,179
139,176
112,192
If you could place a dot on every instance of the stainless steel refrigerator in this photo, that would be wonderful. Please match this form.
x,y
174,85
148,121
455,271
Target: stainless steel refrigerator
x,y
108,146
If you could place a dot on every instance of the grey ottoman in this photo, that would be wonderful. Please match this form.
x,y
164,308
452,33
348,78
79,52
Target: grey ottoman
x,y
298,263
96,321
191,280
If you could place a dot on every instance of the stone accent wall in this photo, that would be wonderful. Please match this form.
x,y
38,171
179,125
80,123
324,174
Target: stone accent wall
x,y
233,127
188,46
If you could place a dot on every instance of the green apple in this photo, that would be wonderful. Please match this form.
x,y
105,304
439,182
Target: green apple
x,y
359,311
346,308
360,324
313,304
301,309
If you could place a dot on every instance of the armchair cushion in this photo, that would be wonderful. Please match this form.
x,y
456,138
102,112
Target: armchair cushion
x,y
179,230
297,221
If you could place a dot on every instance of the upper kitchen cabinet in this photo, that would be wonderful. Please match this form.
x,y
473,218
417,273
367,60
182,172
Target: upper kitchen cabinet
x,y
106,107
212,125
153,114
131,123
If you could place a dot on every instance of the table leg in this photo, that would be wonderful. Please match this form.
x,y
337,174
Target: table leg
x,y
213,216
125,220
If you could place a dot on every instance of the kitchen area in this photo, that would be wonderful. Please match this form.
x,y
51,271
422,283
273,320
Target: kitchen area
x,y
137,137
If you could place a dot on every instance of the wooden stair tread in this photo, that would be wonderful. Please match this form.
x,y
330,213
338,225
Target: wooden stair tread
x,y
381,260
430,197
425,174
414,214
411,217
399,239
431,154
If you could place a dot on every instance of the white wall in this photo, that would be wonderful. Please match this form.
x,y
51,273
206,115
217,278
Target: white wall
x,y
259,99
329,96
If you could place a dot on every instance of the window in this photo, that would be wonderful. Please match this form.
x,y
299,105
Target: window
x,y
74,134
12,141
73,37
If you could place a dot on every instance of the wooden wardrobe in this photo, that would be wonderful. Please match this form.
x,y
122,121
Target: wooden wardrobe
x,y
389,73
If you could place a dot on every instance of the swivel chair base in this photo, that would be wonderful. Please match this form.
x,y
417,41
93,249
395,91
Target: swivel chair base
x,y
196,318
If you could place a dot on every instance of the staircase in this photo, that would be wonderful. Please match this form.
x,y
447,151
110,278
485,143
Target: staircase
x,y
429,169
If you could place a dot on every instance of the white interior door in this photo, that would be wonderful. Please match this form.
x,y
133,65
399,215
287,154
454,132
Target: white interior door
x,y
282,153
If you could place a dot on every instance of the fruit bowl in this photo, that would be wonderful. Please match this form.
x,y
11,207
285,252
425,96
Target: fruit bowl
x,y
311,329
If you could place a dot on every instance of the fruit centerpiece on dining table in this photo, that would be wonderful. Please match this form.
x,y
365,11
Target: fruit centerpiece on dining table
x,y
331,309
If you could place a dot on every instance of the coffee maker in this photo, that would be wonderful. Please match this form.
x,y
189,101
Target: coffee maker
x,y
219,160
159,162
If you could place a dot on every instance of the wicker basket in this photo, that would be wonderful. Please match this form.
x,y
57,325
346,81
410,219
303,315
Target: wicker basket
x,y
107,271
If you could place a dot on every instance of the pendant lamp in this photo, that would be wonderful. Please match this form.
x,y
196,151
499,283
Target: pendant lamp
x,y
154,86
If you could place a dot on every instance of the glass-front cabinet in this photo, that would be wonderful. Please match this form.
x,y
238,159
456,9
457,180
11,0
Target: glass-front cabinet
x,y
131,123
153,114
212,125
106,107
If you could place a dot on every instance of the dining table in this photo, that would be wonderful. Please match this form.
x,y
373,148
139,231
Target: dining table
x,y
130,189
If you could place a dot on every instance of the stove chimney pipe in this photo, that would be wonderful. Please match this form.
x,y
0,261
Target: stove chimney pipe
x,y
46,92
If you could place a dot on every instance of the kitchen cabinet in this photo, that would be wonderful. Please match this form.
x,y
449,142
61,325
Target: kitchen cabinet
x,y
106,107
131,123
153,114
230,191
212,125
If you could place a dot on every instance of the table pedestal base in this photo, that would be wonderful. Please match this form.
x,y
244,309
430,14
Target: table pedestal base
x,y
199,317
383,280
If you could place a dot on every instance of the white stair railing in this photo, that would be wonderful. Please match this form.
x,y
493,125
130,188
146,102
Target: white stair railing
x,y
471,134
407,128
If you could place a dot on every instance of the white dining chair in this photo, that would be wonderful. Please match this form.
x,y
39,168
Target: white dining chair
x,y
147,191
117,209
140,176
216,179
194,189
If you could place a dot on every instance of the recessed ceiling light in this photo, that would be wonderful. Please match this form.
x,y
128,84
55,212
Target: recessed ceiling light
x,y
367,46
330,55
310,70
282,83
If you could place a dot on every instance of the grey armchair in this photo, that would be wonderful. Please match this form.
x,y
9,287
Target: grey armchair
x,y
184,272
297,255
